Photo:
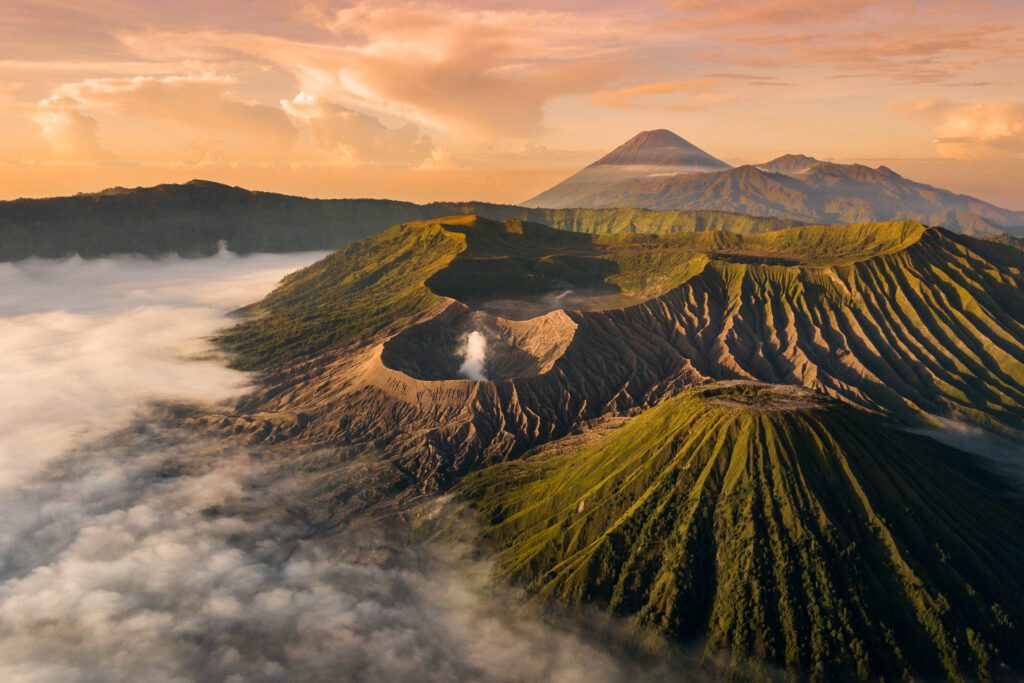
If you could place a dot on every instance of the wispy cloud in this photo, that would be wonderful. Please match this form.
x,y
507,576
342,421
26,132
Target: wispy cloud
x,y
347,135
481,73
689,95
777,13
982,130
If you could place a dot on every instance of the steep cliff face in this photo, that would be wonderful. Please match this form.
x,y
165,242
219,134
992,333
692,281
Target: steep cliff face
x,y
896,318
772,523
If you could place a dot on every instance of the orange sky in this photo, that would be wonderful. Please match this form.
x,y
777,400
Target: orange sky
x,y
497,100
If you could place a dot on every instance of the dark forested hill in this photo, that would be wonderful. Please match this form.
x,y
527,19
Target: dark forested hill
x,y
192,218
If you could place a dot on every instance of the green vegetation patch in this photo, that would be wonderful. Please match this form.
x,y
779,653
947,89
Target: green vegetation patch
x,y
353,294
774,525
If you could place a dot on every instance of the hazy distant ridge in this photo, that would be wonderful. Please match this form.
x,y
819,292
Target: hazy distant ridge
x,y
792,186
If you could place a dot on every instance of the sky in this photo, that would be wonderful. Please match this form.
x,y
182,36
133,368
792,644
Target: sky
x,y
496,100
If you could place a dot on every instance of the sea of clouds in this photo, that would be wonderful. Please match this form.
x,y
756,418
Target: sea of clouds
x,y
133,551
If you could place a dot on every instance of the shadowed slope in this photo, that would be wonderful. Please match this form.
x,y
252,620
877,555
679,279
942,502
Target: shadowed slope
x,y
775,524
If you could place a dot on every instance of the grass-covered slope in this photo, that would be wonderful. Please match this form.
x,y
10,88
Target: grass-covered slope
x,y
352,294
777,525
191,219
937,327
355,293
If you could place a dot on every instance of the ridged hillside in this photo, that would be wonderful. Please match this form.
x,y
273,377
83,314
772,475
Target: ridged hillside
x,y
775,525
909,321
893,317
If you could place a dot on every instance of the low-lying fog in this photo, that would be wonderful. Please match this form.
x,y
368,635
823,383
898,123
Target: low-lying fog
x,y
131,551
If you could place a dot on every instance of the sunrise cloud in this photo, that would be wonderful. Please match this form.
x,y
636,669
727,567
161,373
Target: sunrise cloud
x,y
982,130
70,133
350,135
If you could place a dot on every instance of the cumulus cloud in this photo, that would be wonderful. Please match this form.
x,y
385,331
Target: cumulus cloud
x,y
198,100
979,130
350,135
70,133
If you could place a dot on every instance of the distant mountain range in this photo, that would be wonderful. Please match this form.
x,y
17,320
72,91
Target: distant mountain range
x,y
191,219
659,170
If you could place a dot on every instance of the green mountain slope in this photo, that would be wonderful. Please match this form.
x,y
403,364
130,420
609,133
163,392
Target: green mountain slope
x,y
192,219
777,525
326,304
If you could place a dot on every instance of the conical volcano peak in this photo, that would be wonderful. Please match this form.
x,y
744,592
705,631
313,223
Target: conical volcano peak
x,y
652,154
660,148
772,522
661,137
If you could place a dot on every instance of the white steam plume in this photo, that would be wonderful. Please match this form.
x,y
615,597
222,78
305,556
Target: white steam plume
x,y
474,353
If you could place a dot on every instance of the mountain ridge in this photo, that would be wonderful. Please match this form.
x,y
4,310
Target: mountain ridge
x,y
192,219
761,493
791,186
900,319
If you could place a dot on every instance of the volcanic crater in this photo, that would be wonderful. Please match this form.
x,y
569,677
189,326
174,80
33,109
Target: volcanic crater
x,y
515,349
